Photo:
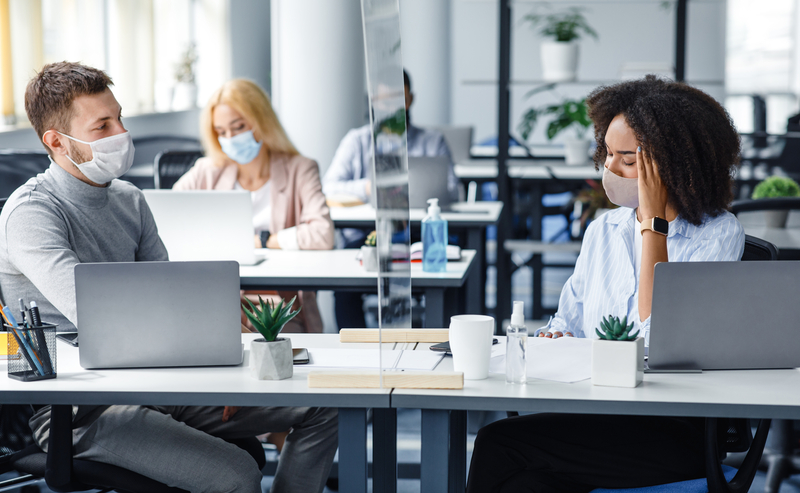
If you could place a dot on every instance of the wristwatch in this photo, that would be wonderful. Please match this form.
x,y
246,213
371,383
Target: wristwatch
x,y
656,225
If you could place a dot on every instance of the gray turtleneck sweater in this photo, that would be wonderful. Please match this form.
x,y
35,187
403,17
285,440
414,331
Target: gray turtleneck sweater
x,y
56,221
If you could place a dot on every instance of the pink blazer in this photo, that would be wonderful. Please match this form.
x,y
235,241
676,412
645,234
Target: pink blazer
x,y
296,195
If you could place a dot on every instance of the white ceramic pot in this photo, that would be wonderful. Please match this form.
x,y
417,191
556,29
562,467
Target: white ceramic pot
x,y
776,219
559,61
576,151
271,360
618,363
184,96
369,258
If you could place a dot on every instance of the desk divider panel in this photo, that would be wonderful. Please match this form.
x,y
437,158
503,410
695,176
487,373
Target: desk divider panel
x,y
388,120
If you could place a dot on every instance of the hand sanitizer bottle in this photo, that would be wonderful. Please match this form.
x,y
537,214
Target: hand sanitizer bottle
x,y
516,345
434,239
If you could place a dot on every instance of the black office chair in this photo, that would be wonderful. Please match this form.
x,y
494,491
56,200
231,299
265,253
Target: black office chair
x,y
18,166
62,473
775,204
169,166
147,148
758,249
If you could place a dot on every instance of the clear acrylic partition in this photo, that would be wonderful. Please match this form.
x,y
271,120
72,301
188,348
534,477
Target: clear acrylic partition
x,y
390,162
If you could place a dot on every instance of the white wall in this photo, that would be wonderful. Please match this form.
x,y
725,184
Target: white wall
x,y
318,81
628,30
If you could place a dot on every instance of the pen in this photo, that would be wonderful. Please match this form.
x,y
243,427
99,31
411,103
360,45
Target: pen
x,y
9,317
27,351
22,310
36,320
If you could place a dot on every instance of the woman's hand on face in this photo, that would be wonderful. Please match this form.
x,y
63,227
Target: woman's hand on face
x,y
652,191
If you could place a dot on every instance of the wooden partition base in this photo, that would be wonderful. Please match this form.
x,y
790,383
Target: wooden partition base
x,y
394,335
391,379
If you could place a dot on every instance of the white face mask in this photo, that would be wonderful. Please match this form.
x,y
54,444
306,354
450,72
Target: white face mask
x,y
621,191
112,157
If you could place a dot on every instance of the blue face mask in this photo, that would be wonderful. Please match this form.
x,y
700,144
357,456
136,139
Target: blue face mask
x,y
242,148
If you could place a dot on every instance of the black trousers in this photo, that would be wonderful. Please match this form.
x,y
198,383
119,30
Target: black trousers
x,y
549,453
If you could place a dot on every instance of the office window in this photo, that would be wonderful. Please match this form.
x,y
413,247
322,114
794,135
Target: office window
x,y
762,58
140,43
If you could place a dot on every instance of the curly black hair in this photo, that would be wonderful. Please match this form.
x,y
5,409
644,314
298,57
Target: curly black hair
x,y
689,135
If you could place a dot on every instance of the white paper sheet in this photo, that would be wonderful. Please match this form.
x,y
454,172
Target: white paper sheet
x,y
368,359
566,359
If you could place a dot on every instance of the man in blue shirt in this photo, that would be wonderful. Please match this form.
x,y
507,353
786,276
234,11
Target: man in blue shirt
x,y
350,173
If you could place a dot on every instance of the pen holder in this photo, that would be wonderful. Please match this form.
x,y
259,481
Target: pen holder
x,y
31,352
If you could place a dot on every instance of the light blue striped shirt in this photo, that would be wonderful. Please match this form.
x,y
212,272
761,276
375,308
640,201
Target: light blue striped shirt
x,y
604,282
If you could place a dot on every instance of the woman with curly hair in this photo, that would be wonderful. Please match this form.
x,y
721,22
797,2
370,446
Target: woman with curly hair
x,y
668,151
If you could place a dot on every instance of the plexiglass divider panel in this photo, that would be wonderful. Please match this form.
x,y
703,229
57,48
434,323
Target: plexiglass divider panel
x,y
390,162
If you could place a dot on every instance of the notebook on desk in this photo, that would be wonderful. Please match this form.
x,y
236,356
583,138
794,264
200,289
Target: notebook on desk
x,y
204,224
158,314
725,316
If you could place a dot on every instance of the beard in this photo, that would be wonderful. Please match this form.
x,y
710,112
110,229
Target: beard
x,y
78,156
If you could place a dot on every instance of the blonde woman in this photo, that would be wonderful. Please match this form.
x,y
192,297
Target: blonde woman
x,y
247,149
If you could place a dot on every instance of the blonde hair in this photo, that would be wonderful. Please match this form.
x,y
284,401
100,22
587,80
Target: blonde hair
x,y
246,97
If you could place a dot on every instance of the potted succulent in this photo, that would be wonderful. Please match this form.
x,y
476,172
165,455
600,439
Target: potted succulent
x,y
369,253
560,55
618,355
271,356
570,114
776,187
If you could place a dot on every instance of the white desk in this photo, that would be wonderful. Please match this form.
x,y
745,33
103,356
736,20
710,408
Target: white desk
x,y
217,386
469,218
526,169
339,270
741,394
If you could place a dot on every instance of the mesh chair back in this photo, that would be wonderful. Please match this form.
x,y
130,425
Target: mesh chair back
x,y
18,166
758,249
169,166
775,204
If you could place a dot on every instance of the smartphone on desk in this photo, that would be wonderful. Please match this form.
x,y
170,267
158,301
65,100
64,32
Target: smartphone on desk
x,y
300,355
445,346
70,338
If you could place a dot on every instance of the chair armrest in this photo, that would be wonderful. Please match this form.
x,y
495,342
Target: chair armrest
x,y
744,477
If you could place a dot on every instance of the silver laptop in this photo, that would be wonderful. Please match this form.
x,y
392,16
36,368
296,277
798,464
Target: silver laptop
x,y
158,314
725,315
204,224
427,179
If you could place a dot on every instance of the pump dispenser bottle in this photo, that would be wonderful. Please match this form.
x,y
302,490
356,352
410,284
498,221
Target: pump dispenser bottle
x,y
434,239
516,346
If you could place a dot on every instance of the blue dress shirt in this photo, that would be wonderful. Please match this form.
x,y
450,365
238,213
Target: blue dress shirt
x,y
604,282
351,167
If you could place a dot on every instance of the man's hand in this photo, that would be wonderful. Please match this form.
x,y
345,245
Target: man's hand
x,y
228,412
272,242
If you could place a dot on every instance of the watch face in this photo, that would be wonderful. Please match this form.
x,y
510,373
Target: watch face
x,y
660,226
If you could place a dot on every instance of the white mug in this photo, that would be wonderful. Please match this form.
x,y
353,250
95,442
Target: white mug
x,y
471,344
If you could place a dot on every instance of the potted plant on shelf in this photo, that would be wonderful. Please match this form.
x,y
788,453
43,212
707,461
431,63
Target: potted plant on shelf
x,y
776,187
369,253
618,355
271,356
570,114
184,96
560,55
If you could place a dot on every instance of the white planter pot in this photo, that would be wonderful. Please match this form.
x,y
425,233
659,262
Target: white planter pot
x,y
576,151
776,219
618,363
271,360
369,258
184,96
559,61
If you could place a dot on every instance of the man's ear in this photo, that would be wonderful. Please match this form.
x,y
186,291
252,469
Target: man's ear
x,y
55,142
